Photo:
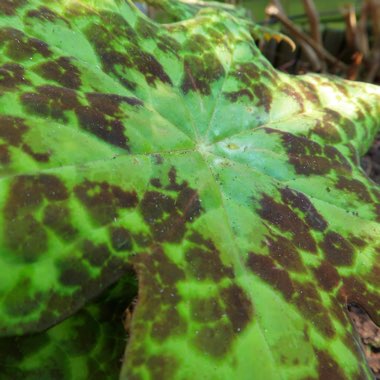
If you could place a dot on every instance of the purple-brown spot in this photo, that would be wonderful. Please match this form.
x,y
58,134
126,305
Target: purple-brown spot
x,y
162,366
103,200
19,47
158,278
58,218
12,75
284,252
309,158
285,219
12,129
328,368
40,157
51,101
327,276
298,200
45,14
215,340
121,239
5,157
26,238
309,91
200,71
263,95
9,7
206,309
327,131
27,193
354,186
293,93
206,263
169,323
115,61
21,300
61,71
238,307
356,291
337,250
274,276
73,272
168,215
96,255
310,304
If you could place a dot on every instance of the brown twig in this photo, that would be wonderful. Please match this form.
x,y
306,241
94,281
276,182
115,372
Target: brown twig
x,y
374,7
315,31
351,27
353,70
374,67
314,22
362,34
315,62
312,57
273,11
278,5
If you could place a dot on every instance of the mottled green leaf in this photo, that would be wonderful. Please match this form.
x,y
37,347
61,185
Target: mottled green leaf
x,y
87,345
233,190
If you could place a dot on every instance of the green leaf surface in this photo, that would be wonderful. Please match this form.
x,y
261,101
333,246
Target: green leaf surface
x,y
88,345
233,191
